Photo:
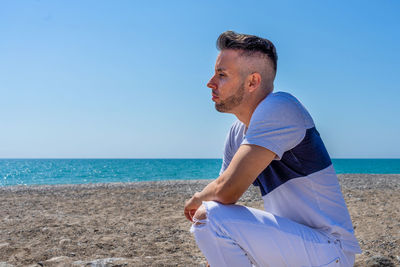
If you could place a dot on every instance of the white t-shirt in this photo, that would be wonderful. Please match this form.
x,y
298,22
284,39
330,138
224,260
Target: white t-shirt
x,y
301,183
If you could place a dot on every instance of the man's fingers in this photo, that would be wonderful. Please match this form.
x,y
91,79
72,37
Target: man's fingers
x,y
189,214
190,208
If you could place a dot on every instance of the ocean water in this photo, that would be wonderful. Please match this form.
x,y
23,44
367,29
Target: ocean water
x,y
81,171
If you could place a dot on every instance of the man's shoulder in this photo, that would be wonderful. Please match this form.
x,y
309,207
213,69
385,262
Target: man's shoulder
x,y
279,99
281,108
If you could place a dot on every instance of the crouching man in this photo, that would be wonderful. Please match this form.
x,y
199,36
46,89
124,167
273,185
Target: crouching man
x,y
273,145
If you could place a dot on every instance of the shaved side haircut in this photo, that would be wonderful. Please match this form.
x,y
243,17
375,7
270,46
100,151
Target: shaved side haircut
x,y
248,44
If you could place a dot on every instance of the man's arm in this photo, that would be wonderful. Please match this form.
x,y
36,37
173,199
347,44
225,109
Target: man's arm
x,y
248,162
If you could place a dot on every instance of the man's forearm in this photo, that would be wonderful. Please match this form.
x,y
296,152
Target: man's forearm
x,y
216,191
244,168
208,193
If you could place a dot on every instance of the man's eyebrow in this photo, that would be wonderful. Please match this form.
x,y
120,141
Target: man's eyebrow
x,y
220,69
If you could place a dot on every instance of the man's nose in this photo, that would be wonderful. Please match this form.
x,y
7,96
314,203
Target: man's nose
x,y
211,84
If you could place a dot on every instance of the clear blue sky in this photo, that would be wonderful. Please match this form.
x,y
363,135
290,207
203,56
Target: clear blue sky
x,y
127,79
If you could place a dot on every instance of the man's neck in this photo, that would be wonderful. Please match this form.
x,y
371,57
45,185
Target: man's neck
x,y
245,115
246,111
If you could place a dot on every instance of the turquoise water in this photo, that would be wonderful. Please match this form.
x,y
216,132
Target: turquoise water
x,y
80,171
382,166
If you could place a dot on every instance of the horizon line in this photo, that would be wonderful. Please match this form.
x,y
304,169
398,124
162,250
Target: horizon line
x,y
165,158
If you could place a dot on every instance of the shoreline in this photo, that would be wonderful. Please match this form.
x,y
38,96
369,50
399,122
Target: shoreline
x,y
142,223
378,179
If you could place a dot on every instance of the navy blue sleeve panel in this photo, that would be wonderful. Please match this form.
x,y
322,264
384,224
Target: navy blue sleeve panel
x,y
309,156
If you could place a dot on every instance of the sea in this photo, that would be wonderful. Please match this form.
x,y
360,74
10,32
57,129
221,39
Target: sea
x,y
84,171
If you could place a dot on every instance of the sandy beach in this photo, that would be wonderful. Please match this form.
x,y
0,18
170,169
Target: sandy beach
x,y
142,224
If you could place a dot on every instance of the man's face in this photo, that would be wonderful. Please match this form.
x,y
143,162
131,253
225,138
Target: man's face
x,y
227,84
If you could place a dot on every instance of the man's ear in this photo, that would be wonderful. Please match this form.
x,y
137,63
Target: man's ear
x,y
253,81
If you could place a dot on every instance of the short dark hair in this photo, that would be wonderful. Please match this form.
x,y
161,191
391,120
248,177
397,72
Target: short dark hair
x,y
249,44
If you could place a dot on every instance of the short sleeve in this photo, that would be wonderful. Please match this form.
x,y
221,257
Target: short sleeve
x,y
279,123
232,143
227,157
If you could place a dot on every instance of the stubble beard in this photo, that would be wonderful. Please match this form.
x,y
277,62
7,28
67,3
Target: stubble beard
x,y
232,101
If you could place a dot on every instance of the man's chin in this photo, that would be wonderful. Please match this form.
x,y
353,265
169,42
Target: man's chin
x,y
220,108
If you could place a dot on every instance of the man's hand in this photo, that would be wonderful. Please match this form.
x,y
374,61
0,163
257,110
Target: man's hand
x,y
191,206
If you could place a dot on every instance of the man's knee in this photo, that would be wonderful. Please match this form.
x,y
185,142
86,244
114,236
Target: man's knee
x,y
209,210
200,216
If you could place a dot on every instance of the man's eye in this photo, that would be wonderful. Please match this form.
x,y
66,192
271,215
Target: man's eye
x,y
221,75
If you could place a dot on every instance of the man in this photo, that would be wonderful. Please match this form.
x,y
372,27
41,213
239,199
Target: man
x,y
274,145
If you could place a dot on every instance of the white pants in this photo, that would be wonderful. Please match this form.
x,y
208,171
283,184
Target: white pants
x,y
234,235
